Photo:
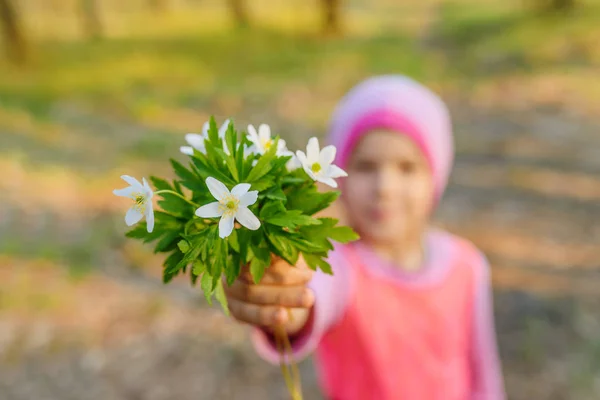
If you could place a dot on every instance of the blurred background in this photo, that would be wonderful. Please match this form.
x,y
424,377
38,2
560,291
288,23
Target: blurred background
x,y
92,89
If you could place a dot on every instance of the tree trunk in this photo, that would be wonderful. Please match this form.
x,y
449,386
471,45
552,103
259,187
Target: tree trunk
x,y
15,40
239,11
331,12
92,24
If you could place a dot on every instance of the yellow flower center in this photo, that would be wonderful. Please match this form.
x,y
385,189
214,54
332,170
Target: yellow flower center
x,y
140,202
316,168
229,205
267,144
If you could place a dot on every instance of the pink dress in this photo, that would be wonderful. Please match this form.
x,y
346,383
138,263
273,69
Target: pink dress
x,y
381,333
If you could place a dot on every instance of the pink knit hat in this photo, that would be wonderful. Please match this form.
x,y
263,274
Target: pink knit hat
x,y
400,104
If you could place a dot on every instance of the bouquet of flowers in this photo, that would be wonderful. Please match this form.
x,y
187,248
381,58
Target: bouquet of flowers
x,y
242,198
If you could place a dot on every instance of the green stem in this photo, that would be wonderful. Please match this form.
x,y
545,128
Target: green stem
x,y
178,195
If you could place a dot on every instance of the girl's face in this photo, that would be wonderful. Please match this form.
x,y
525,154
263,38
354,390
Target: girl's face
x,y
389,189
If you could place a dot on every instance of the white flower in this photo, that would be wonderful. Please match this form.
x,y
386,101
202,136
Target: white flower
x,y
230,206
141,194
294,163
318,163
196,141
262,140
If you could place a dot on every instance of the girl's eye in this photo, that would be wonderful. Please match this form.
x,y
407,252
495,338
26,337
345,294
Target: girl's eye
x,y
407,167
365,166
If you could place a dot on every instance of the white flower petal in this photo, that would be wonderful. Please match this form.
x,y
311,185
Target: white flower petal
x,y
328,181
302,157
281,148
187,150
131,180
195,140
147,189
240,189
310,172
250,150
133,216
264,132
217,188
247,199
335,172
253,135
149,218
247,219
223,128
205,129
294,163
225,225
327,155
127,192
210,210
312,150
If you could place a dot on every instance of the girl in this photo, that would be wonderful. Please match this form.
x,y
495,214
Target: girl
x,y
408,311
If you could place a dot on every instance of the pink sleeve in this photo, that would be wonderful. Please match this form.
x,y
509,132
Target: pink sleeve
x,y
331,297
487,373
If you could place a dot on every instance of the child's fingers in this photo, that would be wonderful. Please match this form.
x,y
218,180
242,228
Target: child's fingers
x,y
286,296
257,314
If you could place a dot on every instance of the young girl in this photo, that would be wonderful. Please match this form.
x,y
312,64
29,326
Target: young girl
x,y
408,312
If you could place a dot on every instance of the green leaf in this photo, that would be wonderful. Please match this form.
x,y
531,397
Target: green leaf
x,y
263,166
231,140
239,161
221,298
232,270
171,265
204,170
213,130
292,219
243,236
271,210
160,184
198,268
233,241
257,269
306,245
315,261
282,246
260,261
188,178
141,232
232,168
184,246
275,193
343,234
293,180
167,243
309,200
263,184
206,286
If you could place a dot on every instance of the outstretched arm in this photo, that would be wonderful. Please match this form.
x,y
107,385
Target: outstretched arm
x,y
331,297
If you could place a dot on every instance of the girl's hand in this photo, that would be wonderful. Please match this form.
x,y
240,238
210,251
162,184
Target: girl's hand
x,y
266,304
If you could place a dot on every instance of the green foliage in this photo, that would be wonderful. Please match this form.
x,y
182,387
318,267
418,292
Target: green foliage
x,y
285,207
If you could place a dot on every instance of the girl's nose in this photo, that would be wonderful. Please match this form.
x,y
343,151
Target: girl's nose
x,y
384,183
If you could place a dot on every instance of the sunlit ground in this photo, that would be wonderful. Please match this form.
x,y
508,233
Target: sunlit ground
x,y
79,304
